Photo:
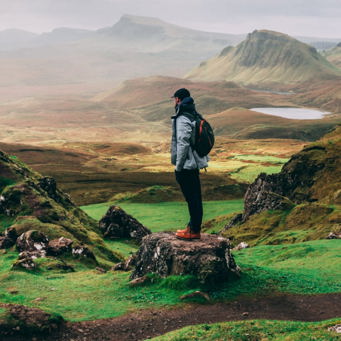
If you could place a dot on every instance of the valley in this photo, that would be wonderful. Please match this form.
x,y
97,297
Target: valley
x,y
85,126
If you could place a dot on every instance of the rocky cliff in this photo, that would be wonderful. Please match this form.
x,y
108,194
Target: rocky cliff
x,y
304,197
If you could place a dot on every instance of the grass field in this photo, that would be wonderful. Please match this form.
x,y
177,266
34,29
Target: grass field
x,y
255,330
305,268
167,216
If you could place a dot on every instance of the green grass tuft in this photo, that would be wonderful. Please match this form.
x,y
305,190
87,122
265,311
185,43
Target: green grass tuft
x,y
255,330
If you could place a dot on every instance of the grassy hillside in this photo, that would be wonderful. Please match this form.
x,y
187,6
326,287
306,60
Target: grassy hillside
x,y
334,55
308,187
257,330
266,57
243,124
30,201
308,268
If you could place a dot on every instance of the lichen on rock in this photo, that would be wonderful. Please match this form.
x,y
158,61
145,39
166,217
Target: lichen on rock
x,y
209,259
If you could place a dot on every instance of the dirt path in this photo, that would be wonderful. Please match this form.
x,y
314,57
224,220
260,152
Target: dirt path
x,y
150,323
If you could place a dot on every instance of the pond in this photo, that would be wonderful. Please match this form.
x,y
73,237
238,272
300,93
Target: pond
x,y
293,113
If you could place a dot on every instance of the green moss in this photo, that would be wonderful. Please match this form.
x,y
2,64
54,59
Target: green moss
x,y
311,267
5,182
250,172
255,330
5,222
309,221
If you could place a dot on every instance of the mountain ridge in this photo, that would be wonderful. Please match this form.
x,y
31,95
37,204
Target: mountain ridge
x,y
266,57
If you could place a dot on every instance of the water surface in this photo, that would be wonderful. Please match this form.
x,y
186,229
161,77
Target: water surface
x,y
293,113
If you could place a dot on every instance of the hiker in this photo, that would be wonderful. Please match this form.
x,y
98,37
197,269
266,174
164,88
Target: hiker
x,y
187,162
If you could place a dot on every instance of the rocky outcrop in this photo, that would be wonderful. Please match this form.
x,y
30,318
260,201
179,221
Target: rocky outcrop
x,y
34,202
209,259
126,265
265,193
82,251
302,179
19,320
33,241
118,224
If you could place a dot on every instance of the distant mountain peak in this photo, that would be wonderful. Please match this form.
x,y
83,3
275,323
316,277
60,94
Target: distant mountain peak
x,y
266,57
141,19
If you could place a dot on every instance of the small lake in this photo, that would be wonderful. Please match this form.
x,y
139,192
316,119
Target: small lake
x,y
293,113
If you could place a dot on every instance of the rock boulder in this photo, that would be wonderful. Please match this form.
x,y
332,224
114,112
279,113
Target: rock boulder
x,y
59,246
9,238
209,259
33,240
118,224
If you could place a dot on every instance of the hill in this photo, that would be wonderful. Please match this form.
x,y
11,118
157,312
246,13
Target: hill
x,y
29,201
133,47
334,55
302,202
266,57
243,123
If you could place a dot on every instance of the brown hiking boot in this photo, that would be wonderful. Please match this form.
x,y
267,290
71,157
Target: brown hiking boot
x,y
187,229
187,235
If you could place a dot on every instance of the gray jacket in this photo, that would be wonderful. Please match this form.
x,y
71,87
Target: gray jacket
x,y
182,154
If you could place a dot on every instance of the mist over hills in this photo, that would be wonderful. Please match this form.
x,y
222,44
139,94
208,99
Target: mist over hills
x,y
133,47
266,57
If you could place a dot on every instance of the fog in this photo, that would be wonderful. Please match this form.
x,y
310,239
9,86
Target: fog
x,y
318,18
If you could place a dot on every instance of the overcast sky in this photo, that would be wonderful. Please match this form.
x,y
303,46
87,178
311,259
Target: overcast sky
x,y
320,18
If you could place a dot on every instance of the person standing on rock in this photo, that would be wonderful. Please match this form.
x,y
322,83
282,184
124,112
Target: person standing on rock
x,y
187,162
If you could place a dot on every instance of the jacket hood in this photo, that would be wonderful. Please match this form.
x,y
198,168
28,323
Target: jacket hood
x,y
186,105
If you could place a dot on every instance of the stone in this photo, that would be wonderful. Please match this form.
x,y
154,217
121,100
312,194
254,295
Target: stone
x,y
208,258
82,251
26,260
33,240
333,235
241,246
6,243
118,224
336,328
265,193
196,294
100,270
127,265
139,281
59,246
26,321
9,238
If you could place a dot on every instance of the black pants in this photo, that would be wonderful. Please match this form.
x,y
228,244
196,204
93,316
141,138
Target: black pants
x,y
189,182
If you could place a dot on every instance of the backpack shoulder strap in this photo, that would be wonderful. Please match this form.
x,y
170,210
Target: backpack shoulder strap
x,y
189,116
